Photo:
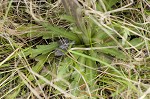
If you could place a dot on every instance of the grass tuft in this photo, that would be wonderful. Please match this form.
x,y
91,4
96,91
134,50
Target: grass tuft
x,y
75,49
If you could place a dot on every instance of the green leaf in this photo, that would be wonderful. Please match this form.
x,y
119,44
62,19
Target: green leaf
x,y
38,67
126,33
62,32
47,35
14,94
136,41
67,18
115,52
63,68
43,49
96,59
110,3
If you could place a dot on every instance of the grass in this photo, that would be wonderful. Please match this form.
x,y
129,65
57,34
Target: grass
x,y
93,49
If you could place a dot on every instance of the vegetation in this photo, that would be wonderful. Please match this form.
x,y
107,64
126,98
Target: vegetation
x,y
75,49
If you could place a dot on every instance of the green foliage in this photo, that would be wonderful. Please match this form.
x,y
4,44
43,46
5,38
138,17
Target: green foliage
x,y
106,56
13,95
61,32
110,3
116,53
42,49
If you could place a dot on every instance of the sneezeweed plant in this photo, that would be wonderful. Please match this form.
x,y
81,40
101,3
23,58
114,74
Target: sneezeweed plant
x,y
96,51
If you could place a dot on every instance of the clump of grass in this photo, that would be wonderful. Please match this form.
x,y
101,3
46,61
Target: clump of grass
x,y
74,49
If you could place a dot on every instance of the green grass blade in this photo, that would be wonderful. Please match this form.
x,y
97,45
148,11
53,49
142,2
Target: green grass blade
x,y
62,32
95,59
